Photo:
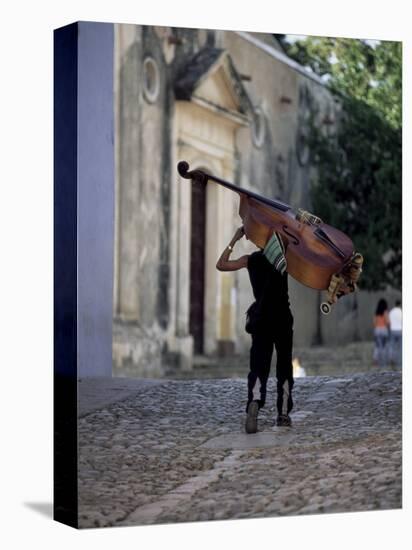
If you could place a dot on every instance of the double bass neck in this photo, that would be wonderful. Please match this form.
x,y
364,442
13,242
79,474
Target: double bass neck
x,y
204,177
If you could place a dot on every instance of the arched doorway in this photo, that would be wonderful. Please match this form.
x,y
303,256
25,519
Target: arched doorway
x,y
208,112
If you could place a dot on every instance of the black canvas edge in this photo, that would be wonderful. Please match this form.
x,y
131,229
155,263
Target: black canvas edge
x,y
65,502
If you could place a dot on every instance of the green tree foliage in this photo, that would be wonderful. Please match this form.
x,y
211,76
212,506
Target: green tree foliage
x,y
359,180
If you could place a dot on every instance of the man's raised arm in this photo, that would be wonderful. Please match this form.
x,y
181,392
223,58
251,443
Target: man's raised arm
x,y
223,263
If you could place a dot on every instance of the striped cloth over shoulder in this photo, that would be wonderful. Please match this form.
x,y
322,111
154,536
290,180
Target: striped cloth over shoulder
x,y
275,252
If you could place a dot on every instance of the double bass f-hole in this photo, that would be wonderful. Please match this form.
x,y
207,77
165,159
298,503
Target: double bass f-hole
x,y
295,240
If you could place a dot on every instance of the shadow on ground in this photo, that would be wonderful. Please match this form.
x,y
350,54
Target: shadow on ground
x,y
43,508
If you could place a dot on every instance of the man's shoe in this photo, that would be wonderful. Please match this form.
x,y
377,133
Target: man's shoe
x,y
251,418
283,420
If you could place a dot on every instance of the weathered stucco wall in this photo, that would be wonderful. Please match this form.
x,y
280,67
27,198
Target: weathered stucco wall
x,y
142,213
273,166
155,130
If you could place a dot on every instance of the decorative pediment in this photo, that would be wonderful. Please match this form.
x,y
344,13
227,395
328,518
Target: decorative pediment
x,y
211,80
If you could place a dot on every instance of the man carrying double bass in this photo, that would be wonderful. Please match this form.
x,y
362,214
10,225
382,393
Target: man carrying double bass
x,y
318,255
270,323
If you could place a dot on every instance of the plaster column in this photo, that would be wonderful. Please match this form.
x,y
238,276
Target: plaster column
x,y
182,343
215,242
124,37
128,170
226,295
231,223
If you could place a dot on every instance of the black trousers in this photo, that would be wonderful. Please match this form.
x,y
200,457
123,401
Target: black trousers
x,y
261,353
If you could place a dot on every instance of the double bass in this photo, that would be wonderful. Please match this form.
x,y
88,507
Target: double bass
x,y
317,255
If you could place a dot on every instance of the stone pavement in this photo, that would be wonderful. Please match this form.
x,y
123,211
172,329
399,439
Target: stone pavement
x,y
175,450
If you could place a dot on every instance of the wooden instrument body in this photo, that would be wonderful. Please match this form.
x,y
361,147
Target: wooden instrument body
x,y
314,252
310,259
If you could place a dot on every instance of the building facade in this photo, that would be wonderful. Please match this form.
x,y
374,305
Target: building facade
x,y
233,104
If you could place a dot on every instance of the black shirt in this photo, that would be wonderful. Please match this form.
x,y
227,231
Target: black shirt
x,y
270,288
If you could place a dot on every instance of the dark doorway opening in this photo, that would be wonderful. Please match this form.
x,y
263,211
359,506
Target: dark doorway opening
x,y
197,265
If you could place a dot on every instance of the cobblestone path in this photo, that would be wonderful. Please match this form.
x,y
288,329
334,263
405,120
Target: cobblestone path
x,y
176,451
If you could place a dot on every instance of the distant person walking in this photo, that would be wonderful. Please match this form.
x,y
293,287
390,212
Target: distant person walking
x,y
381,333
395,340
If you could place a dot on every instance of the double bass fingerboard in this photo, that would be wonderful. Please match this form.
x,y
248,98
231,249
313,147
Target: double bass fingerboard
x,y
270,202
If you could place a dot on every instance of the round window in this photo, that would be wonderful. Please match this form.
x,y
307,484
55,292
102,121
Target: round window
x,y
258,127
151,80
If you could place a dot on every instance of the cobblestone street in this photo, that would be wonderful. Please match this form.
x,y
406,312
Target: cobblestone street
x,y
159,451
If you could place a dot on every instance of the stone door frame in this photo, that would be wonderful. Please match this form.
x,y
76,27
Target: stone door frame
x,y
217,156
